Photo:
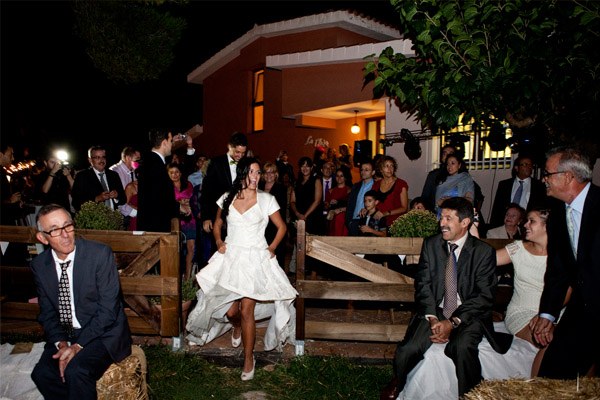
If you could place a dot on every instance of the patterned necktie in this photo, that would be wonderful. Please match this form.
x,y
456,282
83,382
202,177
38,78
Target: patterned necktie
x,y
105,188
518,193
572,227
64,300
450,284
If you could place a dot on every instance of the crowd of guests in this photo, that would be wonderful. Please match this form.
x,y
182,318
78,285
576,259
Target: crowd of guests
x,y
237,216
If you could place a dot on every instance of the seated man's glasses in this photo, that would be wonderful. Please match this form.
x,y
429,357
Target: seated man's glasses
x,y
57,231
546,174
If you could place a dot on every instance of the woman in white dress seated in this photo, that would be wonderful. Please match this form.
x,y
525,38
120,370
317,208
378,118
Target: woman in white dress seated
x,y
529,260
242,281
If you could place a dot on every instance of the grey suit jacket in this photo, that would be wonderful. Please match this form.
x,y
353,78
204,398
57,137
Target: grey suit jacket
x,y
97,296
476,284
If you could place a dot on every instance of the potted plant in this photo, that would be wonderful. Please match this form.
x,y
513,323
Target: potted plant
x,y
94,215
415,223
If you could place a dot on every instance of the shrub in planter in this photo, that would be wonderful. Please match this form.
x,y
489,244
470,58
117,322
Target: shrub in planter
x,y
94,215
415,223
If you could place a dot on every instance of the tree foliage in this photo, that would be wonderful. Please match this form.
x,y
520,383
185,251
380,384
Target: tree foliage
x,y
535,64
130,41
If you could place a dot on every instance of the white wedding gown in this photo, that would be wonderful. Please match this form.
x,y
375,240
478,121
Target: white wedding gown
x,y
246,269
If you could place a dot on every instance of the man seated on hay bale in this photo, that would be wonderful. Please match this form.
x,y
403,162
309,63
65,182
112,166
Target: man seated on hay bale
x,y
455,287
81,309
573,261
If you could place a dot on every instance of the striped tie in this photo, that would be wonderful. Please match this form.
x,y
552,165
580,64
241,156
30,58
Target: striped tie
x,y
450,284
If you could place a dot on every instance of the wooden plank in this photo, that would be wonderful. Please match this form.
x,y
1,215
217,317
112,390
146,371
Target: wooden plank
x,y
18,234
356,291
169,267
374,245
138,325
497,243
121,241
354,331
149,285
144,261
300,274
144,310
18,310
347,261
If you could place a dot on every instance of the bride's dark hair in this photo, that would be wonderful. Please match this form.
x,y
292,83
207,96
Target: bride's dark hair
x,y
242,171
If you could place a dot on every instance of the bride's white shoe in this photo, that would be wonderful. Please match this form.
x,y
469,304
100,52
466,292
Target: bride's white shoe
x,y
246,376
235,342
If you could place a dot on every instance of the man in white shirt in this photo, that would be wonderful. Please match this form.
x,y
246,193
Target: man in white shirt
x,y
130,158
521,189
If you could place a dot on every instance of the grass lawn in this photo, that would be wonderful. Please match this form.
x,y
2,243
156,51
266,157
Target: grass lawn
x,y
182,376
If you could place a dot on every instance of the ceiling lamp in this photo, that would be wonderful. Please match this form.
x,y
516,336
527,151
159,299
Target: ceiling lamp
x,y
355,129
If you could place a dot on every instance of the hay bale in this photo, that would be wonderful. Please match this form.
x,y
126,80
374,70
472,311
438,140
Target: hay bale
x,y
536,389
125,380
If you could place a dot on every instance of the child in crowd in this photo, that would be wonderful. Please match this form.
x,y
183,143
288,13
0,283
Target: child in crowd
x,y
368,225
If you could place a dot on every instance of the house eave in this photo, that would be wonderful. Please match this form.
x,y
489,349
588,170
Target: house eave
x,y
365,26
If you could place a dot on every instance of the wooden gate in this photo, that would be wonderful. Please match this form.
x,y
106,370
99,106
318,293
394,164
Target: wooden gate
x,y
144,250
383,284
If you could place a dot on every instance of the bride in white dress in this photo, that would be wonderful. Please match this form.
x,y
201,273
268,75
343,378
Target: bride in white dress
x,y
243,282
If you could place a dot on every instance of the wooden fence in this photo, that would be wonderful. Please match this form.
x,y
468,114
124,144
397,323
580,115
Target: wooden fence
x,y
136,255
382,284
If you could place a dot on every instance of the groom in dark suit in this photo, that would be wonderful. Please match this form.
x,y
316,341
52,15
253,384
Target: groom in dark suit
x,y
573,262
76,353
461,320
219,178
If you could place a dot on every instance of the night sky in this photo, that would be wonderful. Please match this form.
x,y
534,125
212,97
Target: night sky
x,y
52,95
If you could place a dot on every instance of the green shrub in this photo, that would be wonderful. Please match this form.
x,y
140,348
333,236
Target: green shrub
x,y
415,223
98,216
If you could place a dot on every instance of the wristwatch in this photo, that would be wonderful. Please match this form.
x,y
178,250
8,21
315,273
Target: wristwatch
x,y
455,322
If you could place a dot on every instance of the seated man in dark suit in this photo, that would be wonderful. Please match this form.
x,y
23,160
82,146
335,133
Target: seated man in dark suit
x,y
86,332
98,183
455,287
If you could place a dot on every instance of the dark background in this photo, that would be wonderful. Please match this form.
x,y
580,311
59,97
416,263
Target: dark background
x,y
52,96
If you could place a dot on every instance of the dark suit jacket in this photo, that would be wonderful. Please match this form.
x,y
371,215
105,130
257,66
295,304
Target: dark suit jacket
x,y
156,196
87,186
216,182
476,284
428,192
563,270
537,197
97,296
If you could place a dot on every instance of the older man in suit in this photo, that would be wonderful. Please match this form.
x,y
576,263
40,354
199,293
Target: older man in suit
x,y
573,262
521,189
92,332
454,293
219,177
156,195
97,183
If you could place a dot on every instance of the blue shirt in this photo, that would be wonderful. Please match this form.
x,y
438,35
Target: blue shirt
x,y
360,200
